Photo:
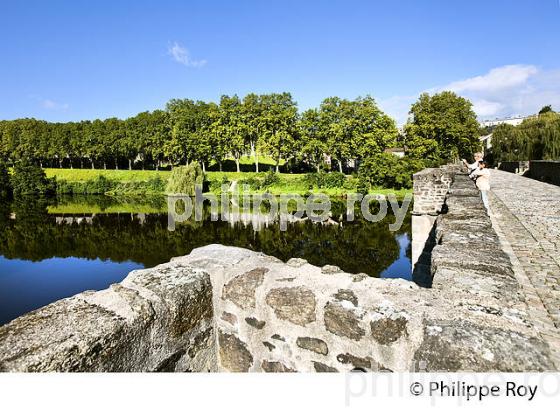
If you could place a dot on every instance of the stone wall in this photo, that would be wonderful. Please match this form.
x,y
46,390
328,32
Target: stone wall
x,y
272,316
230,309
515,167
430,188
545,171
158,319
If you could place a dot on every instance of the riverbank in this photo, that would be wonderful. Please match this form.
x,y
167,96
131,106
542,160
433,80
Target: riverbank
x,y
138,182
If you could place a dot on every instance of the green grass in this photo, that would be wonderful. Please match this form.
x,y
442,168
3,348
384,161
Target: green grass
x,y
288,183
263,160
83,175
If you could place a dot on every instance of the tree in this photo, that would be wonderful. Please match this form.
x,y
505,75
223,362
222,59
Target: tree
x,y
253,113
373,131
158,132
187,119
534,139
183,180
29,179
442,127
355,129
279,126
115,140
312,146
388,171
545,109
5,184
234,126
336,128
207,132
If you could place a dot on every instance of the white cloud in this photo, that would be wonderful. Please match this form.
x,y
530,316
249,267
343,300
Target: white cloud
x,y
53,105
182,56
502,92
484,108
497,79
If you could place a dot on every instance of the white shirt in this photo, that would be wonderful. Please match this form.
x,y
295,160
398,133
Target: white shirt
x,y
483,178
472,166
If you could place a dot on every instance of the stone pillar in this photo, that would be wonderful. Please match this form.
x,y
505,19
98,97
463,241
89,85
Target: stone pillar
x,y
430,189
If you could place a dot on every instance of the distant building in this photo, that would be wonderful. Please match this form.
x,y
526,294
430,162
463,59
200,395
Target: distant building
x,y
508,120
486,141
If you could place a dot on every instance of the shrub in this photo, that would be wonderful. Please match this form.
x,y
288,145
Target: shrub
x,y
252,182
261,181
334,180
29,179
215,185
100,185
270,178
5,184
325,180
388,171
184,179
152,186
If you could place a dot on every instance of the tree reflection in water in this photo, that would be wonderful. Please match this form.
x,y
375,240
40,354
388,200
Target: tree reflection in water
x,y
109,229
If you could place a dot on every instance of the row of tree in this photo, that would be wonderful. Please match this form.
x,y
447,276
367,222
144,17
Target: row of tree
x,y
535,138
190,131
442,127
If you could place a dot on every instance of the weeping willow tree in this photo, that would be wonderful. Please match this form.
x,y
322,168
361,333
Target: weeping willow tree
x,y
534,139
183,180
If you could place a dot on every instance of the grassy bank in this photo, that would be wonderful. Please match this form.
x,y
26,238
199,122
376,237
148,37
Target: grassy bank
x,y
137,182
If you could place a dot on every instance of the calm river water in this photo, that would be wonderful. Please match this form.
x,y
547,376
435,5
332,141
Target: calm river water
x,y
54,249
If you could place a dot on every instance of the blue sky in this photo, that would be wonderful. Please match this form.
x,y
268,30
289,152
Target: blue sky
x,y
73,60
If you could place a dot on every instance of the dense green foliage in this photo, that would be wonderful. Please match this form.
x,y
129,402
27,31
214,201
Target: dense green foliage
x,y
534,139
343,129
545,109
29,179
327,180
101,185
5,184
443,127
209,133
183,180
389,171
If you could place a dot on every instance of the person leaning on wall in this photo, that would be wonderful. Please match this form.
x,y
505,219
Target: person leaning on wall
x,y
478,156
482,179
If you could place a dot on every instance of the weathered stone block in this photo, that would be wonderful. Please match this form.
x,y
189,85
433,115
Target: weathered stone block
x,y
342,321
314,344
388,330
296,305
323,368
275,367
254,322
241,289
452,346
234,354
357,362
348,295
